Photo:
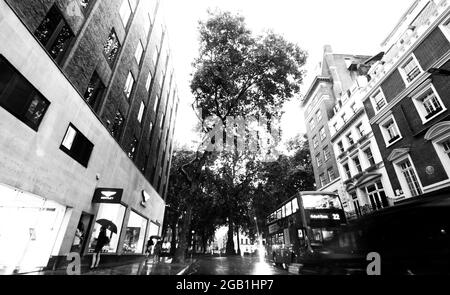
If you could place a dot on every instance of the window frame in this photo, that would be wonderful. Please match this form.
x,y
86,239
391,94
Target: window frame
x,y
68,151
403,181
119,46
141,113
125,89
385,133
420,107
322,133
139,52
375,103
319,161
403,73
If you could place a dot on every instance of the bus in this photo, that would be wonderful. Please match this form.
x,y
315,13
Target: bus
x,y
302,224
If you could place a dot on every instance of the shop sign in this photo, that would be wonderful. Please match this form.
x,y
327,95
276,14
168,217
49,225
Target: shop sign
x,y
145,198
108,195
273,228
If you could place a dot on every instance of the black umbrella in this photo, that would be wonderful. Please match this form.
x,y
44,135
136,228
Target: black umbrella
x,y
108,224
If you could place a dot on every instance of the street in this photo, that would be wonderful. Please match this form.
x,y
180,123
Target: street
x,y
234,265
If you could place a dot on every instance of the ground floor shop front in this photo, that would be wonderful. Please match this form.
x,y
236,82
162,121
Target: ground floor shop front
x,y
37,233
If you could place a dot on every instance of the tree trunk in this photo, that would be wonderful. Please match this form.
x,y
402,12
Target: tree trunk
x,y
238,243
180,252
230,242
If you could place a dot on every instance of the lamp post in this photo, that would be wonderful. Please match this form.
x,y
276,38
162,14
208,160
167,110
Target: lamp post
x,y
193,243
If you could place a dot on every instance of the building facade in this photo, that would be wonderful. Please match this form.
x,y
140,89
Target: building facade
x,y
408,97
88,103
335,78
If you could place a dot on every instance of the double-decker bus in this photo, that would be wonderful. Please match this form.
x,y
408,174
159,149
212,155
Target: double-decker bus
x,y
302,224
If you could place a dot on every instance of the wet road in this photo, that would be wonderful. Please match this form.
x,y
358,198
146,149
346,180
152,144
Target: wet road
x,y
233,266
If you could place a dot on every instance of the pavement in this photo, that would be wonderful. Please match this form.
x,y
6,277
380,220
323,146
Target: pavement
x,y
233,265
144,267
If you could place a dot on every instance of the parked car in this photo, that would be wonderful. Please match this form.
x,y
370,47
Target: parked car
x,y
412,238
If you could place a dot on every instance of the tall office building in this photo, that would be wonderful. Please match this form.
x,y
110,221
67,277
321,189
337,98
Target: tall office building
x,y
88,102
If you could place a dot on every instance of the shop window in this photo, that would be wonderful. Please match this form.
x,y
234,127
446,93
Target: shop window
x,y
326,154
133,148
428,104
315,142
369,156
115,214
378,100
19,97
139,52
323,135
94,91
390,131
410,70
129,85
135,234
149,81
446,146
77,146
357,164
141,112
116,129
54,34
111,47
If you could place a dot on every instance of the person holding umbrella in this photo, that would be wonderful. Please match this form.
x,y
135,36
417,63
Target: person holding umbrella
x,y
102,240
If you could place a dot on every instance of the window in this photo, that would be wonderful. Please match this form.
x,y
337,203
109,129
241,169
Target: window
x,y
319,160
378,100
323,135
315,142
150,130
54,34
141,112
155,106
326,154
133,148
149,81
129,85
125,12
377,196
428,104
323,180
19,97
341,147
360,129
357,164
77,146
347,170
353,106
111,47
390,131
94,91
344,118
369,156
446,146
411,70
138,53
350,139
335,126
319,116
411,178
116,129
331,174
312,124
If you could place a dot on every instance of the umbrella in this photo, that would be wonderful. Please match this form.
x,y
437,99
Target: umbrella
x,y
155,237
108,224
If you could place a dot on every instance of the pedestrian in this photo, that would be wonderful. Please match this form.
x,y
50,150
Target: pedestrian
x,y
157,251
78,239
148,249
102,241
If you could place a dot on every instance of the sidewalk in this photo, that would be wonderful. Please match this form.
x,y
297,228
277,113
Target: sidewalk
x,y
145,267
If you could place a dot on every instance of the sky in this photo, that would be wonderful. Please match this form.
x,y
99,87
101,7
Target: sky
x,y
349,26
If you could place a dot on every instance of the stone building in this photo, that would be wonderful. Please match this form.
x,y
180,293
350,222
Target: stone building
x,y
88,102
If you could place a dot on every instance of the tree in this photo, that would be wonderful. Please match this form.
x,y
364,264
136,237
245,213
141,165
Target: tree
x,y
238,74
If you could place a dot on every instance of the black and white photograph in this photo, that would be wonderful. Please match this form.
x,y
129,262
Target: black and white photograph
x,y
218,138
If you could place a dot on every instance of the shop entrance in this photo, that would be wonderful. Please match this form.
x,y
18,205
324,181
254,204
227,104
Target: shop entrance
x,y
80,240
29,226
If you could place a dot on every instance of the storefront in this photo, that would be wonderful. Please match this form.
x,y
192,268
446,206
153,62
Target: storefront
x,y
135,234
29,228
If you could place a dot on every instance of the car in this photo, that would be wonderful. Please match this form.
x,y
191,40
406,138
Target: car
x,y
410,238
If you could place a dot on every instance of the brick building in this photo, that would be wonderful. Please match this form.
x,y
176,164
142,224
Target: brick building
x,y
408,97
335,79
88,102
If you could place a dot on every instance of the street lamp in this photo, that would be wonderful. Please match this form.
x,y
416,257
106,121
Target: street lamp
x,y
193,243
438,72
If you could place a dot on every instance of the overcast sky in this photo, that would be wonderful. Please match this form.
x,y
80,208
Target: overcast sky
x,y
349,26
